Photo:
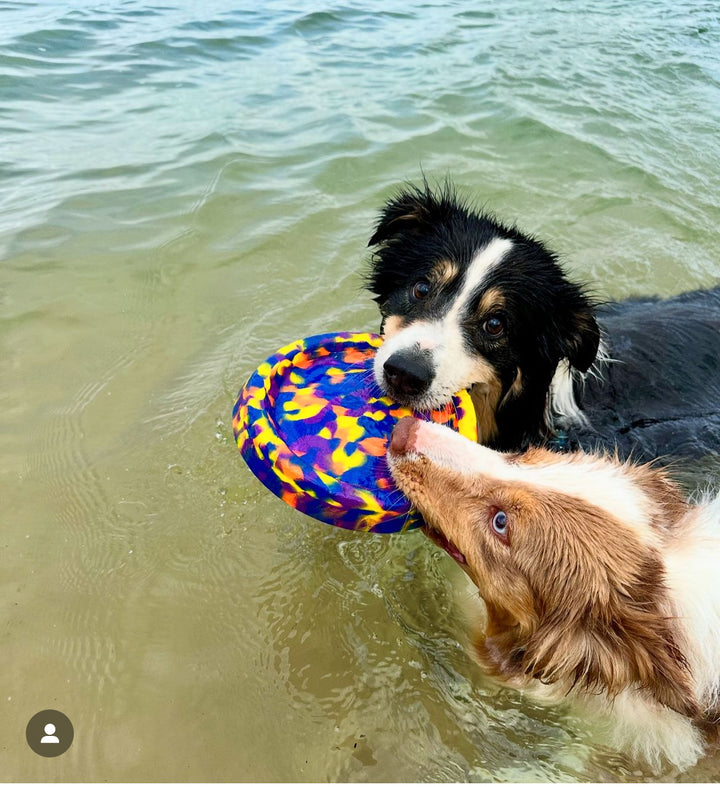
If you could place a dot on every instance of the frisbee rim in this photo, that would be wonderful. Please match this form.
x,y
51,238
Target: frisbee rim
x,y
259,434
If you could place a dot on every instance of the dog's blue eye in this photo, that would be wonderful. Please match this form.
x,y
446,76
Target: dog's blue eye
x,y
494,326
499,523
421,290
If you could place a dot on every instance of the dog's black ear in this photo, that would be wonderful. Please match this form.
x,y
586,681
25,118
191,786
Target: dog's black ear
x,y
410,211
582,338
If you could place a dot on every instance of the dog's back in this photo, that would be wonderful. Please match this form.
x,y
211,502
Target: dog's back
x,y
659,395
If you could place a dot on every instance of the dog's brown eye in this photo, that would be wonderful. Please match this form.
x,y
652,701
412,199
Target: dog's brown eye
x,y
421,290
494,326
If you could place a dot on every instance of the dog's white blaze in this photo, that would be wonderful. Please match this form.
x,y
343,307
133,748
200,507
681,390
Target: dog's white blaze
x,y
602,484
482,263
455,368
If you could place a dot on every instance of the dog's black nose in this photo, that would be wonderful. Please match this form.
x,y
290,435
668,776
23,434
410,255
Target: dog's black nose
x,y
408,373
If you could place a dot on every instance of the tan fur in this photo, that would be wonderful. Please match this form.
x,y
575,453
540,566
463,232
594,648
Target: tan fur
x,y
392,325
492,301
665,493
485,397
517,386
575,597
443,273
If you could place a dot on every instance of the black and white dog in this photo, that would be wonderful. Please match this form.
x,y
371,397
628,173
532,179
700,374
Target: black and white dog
x,y
470,303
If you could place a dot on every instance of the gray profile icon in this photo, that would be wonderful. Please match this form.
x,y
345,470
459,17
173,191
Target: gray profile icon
x,y
49,733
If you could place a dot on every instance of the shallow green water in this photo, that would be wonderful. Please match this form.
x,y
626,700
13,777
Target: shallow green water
x,y
187,187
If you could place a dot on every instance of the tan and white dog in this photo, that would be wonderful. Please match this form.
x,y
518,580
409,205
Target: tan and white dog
x,y
600,582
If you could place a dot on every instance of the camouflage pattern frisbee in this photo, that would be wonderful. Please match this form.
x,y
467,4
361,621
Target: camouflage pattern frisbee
x,y
313,426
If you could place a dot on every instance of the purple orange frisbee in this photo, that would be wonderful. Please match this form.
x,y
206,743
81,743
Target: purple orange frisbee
x,y
313,426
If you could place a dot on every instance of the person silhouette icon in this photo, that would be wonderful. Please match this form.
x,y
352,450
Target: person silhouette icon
x,y
49,736
49,733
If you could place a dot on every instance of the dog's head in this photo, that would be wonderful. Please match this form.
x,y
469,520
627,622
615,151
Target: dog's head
x,y
468,303
566,551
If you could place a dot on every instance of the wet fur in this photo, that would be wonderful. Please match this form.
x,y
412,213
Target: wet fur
x,y
609,600
437,238
659,396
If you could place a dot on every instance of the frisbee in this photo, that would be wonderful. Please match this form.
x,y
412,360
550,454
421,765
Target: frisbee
x,y
313,426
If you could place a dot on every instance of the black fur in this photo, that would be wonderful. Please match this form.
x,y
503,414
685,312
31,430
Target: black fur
x,y
659,396
548,317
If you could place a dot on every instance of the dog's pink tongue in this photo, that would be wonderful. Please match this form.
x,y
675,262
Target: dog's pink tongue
x,y
402,439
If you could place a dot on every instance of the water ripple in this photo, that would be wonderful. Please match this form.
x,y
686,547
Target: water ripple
x,y
188,187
